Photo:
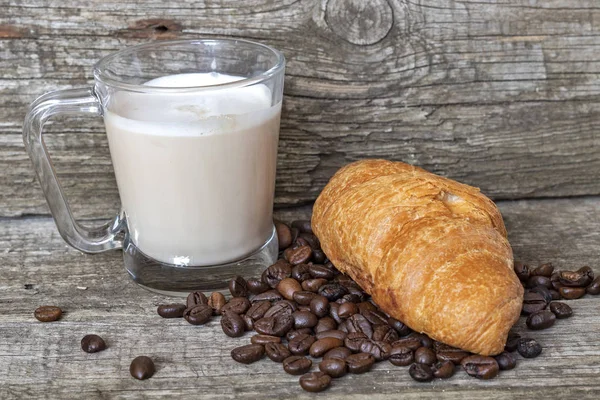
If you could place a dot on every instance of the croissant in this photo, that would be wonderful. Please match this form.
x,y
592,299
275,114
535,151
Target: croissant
x,y
431,252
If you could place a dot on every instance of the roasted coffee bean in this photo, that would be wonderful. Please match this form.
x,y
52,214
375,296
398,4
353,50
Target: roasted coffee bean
x,y
325,324
425,340
301,272
554,294
350,298
315,381
480,367
304,319
543,270
347,310
538,280
47,313
421,372
360,363
322,346
376,317
399,326
571,293
543,291
303,225
277,351
378,349
264,339
522,271
238,305
320,271
333,312
142,367
258,310
284,235
303,297
385,333
257,286
300,344
311,239
580,278
401,356
506,361
339,352
233,324
276,272
275,326
216,301
443,369
269,295
594,287
343,279
287,287
319,306
319,256
358,323
313,285
444,352
92,344
512,342
541,320
238,287
248,322
296,365
410,342
283,307
293,333
332,291
334,367
425,355
196,298
295,233
248,354
198,315
174,310
334,333
533,302
298,255
529,348
354,340
300,241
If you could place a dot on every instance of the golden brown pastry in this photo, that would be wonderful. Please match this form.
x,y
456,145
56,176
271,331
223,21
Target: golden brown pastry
x,y
432,252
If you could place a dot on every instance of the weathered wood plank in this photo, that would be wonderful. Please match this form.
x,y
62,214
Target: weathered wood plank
x,y
500,95
45,361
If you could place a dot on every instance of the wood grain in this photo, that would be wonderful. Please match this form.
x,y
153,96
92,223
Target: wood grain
x,y
501,95
45,361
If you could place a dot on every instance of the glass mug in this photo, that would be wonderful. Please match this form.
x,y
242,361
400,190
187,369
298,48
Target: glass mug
x,y
193,128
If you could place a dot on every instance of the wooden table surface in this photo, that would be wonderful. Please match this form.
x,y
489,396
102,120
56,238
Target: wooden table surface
x,y
44,360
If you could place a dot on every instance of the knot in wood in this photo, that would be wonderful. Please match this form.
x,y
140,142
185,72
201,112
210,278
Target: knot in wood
x,y
361,22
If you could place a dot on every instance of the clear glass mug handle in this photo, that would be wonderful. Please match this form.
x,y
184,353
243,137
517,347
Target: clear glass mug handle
x,y
68,102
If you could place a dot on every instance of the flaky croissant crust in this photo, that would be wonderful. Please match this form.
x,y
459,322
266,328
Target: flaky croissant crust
x,y
432,252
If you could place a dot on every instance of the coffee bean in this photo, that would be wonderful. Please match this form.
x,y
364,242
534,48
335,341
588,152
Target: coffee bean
x,y
555,295
248,322
347,310
322,346
480,367
334,367
303,225
298,255
399,326
295,233
580,278
364,306
544,270
287,287
300,241
196,298
313,285
283,307
401,356
541,320
424,355
522,271
257,286
339,352
303,297
92,344
410,342
301,344
294,333
269,295
264,339
538,280
512,342
301,272
506,361
321,271
310,239
315,381
174,310
354,341
333,313
425,340
358,323
276,272
284,235
533,302
360,363
198,315
248,354
319,256
421,372
385,333
47,313
594,287
325,324
233,324
378,349
277,351
529,348
296,365
571,293
238,305
216,301
332,291
238,287
258,310
304,319
350,298
376,317
543,291
444,352
274,326
142,367
319,306
443,369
